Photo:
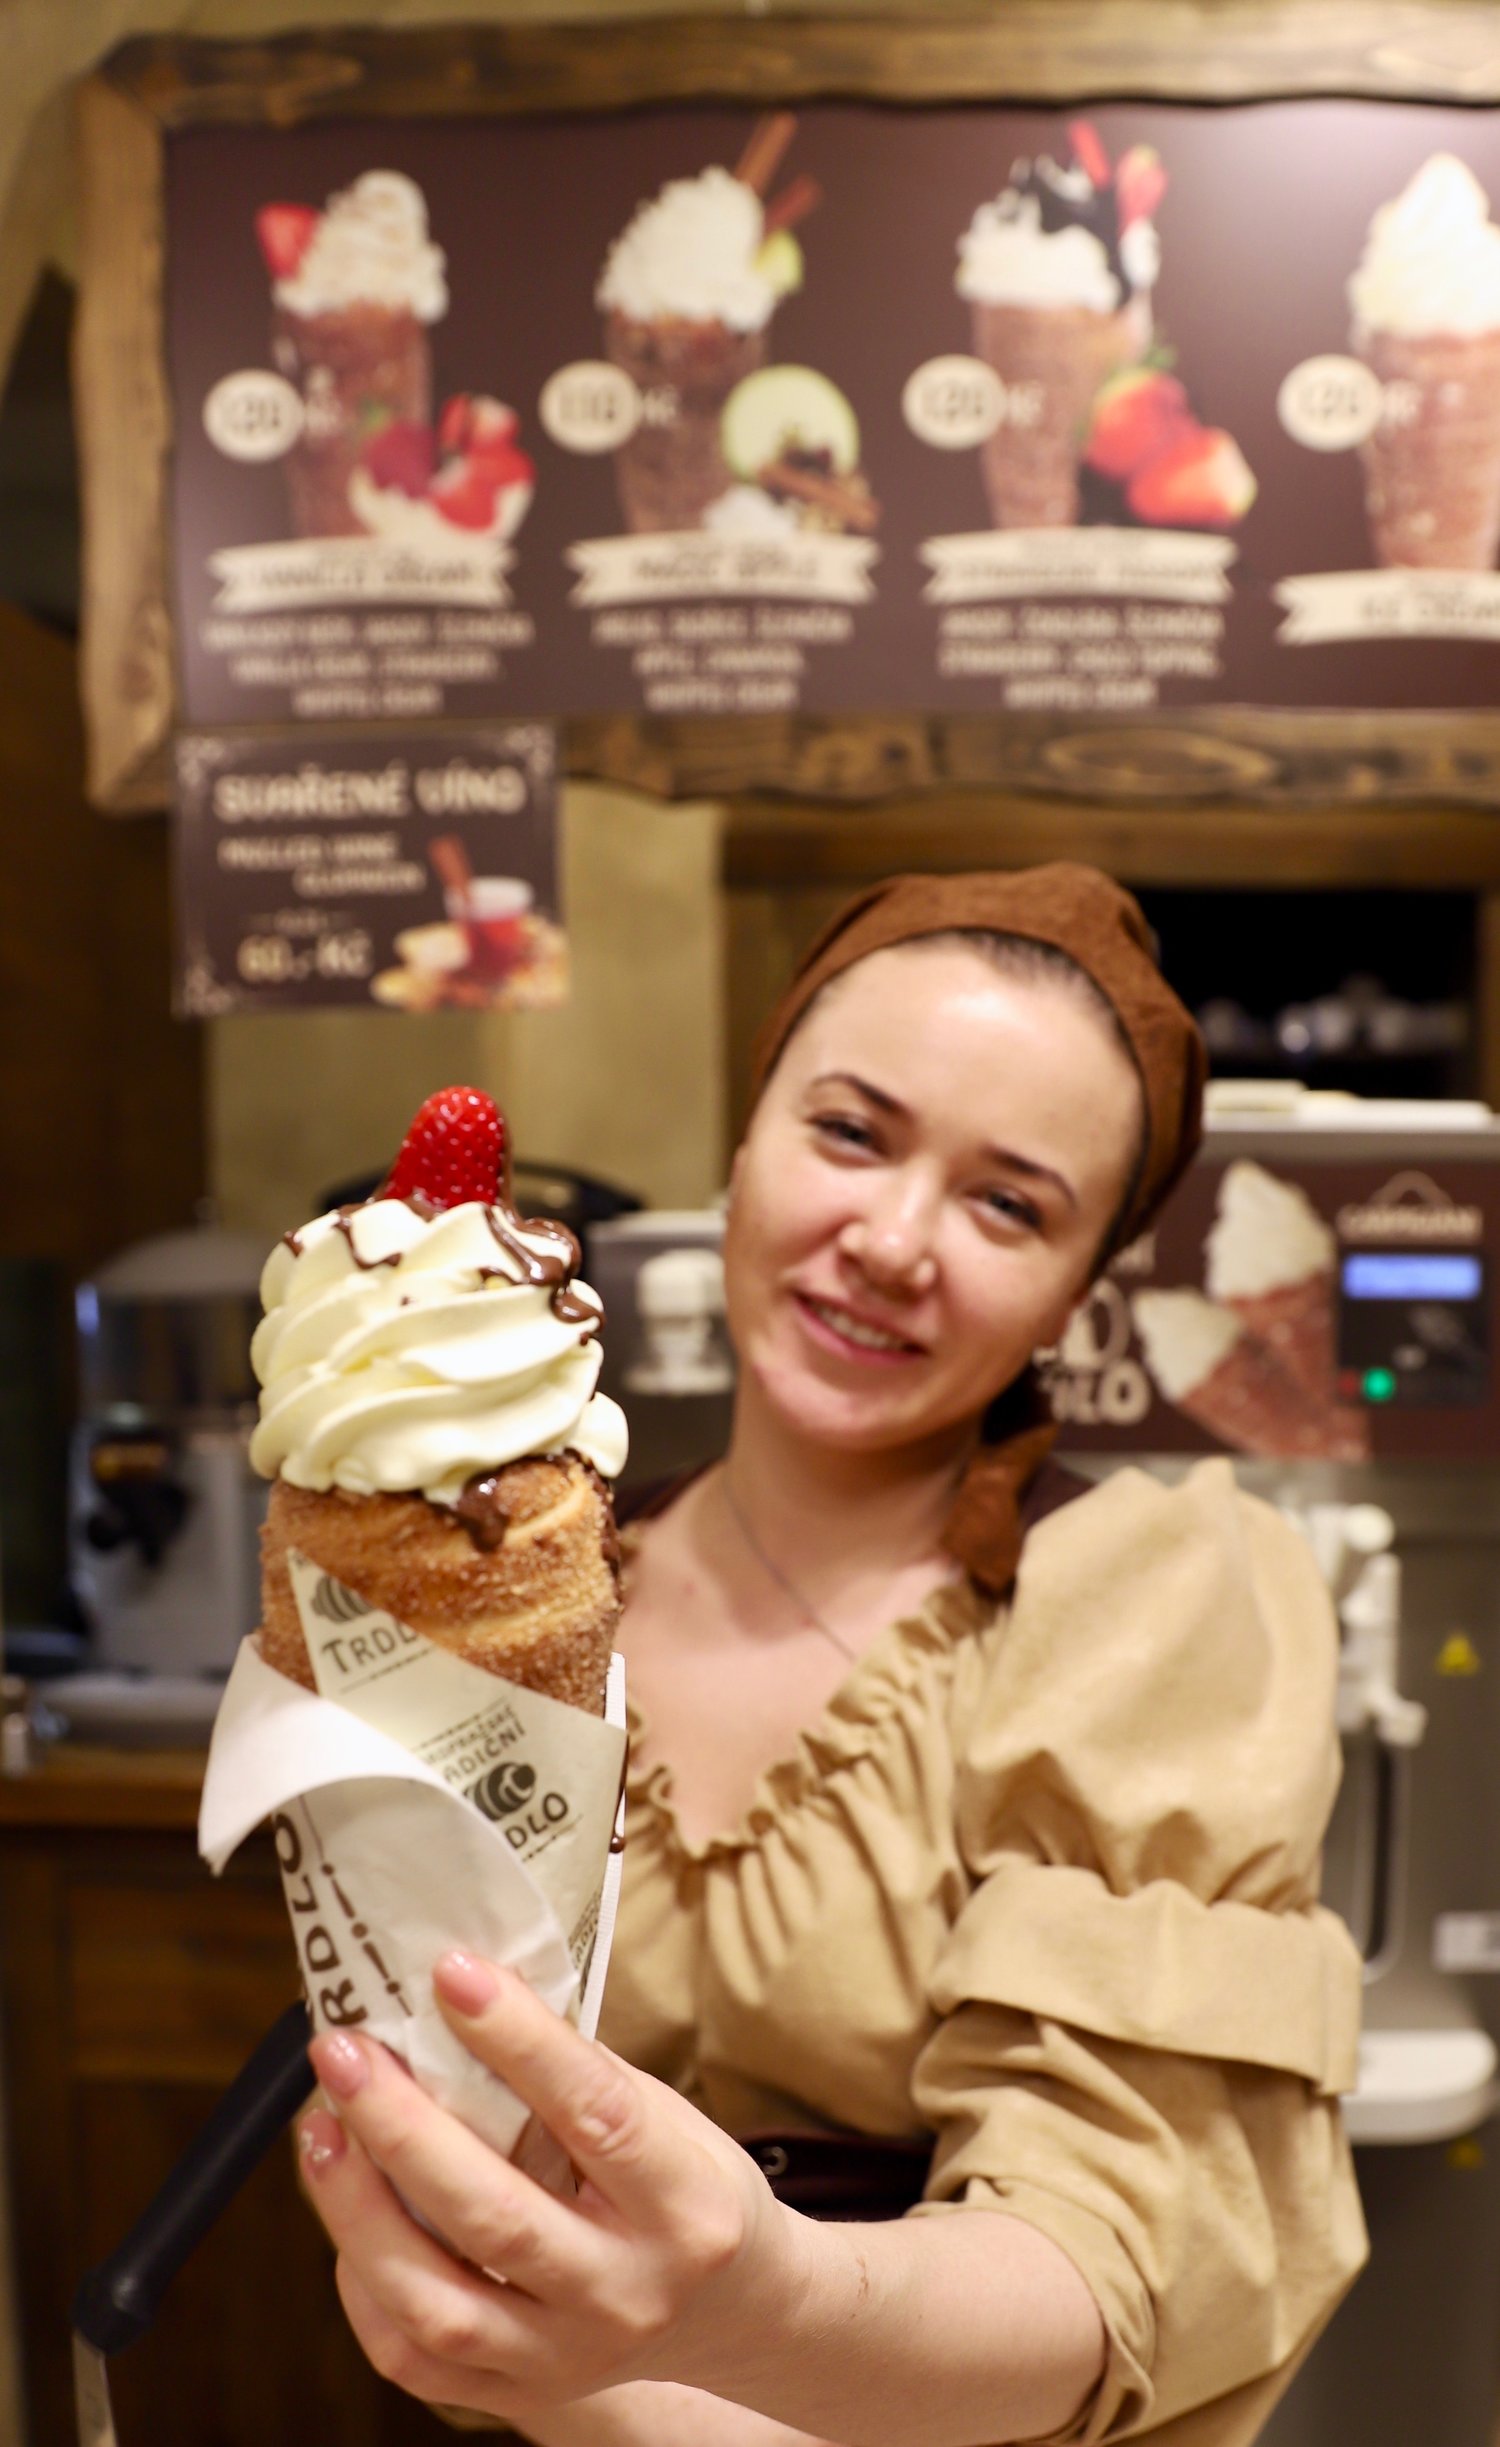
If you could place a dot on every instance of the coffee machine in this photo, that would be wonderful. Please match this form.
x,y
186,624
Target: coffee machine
x,y
164,1509
1317,1302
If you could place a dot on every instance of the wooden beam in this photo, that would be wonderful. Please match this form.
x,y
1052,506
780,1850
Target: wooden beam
x,y
120,395
1015,50
771,846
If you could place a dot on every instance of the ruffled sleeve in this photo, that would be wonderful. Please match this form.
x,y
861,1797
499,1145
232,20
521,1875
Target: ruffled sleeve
x,y
1143,2014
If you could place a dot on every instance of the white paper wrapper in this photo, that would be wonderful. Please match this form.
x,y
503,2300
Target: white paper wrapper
x,y
429,1805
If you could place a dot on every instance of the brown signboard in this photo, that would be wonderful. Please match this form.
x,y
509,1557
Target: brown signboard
x,y
411,873
1035,410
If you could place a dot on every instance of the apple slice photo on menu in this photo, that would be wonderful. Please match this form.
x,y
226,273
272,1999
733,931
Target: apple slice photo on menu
x,y
791,441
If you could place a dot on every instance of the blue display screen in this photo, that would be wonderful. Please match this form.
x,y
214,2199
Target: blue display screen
x,y
1410,1274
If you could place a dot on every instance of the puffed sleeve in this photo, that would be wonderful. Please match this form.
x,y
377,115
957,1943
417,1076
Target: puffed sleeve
x,y
1143,2016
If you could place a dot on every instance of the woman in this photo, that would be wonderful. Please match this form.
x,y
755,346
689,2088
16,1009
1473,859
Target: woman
x,y
1014,1866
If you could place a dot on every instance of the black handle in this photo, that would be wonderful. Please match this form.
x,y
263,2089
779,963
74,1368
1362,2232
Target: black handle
x,y
117,2301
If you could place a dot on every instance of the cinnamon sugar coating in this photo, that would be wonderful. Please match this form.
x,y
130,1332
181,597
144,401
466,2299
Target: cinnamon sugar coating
x,y
539,1609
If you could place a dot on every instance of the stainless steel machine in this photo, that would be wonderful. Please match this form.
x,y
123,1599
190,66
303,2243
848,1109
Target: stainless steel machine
x,y
164,1509
1318,1301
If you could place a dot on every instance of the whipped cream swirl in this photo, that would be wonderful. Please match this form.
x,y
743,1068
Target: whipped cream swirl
x,y
1052,238
405,1349
370,248
691,254
1432,258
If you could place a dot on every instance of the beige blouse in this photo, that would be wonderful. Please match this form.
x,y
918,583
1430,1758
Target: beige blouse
x,y
1042,1882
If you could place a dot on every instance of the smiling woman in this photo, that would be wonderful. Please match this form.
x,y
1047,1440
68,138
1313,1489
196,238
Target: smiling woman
x,y
974,1888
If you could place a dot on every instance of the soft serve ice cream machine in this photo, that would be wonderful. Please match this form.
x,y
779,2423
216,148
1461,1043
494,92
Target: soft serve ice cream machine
x,y
1316,1303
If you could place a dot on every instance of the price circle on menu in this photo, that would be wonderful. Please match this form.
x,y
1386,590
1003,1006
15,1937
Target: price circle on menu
x,y
1330,403
589,406
954,403
254,415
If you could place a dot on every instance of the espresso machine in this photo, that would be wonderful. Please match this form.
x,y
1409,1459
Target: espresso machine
x,y
1317,1302
164,1510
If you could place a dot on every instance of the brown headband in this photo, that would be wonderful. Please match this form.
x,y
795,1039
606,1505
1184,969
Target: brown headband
x,y
1081,912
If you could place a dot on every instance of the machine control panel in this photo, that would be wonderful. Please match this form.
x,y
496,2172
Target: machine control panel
x,y
1413,1328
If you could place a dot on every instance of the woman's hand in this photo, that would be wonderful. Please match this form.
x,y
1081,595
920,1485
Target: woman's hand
x,y
671,2263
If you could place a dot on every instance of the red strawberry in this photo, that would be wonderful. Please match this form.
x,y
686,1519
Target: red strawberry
x,y
465,492
1135,416
285,232
474,423
1200,480
454,1152
505,464
1088,151
1140,183
401,455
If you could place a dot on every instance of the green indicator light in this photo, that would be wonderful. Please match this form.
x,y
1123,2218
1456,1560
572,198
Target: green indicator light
x,y
1379,1385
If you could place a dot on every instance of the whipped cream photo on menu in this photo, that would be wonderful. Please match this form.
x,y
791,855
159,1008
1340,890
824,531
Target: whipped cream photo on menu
x,y
430,1713
356,289
1059,272
1424,303
688,289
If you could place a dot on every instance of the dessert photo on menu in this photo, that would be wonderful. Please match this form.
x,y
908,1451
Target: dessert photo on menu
x,y
356,289
1424,305
688,294
1059,272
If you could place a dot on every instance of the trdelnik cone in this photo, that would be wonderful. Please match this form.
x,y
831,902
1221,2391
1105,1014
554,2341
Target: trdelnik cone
x,y
429,1713
1272,1260
1206,1362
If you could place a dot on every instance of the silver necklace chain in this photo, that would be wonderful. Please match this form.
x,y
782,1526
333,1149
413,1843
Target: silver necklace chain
x,y
809,1614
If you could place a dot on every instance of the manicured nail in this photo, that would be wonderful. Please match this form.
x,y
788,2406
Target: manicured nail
x,y
340,2063
320,2138
465,1983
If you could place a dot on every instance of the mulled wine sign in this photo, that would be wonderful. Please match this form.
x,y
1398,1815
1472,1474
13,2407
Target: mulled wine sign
x,y
409,872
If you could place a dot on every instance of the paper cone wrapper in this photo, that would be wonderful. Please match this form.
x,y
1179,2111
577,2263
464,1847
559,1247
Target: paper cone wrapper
x,y
1432,477
1054,358
1252,1403
428,1805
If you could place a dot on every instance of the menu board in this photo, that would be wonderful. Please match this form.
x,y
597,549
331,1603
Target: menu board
x,y
700,411
414,873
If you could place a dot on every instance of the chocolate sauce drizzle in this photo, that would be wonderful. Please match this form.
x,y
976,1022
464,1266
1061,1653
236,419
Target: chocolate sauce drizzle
x,y
1062,203
481,1511
553,1267
343,1222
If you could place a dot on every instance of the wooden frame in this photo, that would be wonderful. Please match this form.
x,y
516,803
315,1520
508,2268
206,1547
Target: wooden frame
x,y
1026,50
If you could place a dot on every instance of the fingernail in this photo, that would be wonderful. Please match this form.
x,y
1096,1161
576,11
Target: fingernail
x,y
320,2138
465,1983
340,2063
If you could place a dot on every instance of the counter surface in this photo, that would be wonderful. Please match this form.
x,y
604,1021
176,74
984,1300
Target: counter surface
x,y
74,1784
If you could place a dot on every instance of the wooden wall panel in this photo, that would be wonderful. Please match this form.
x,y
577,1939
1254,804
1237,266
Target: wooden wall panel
x,y
101,1124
